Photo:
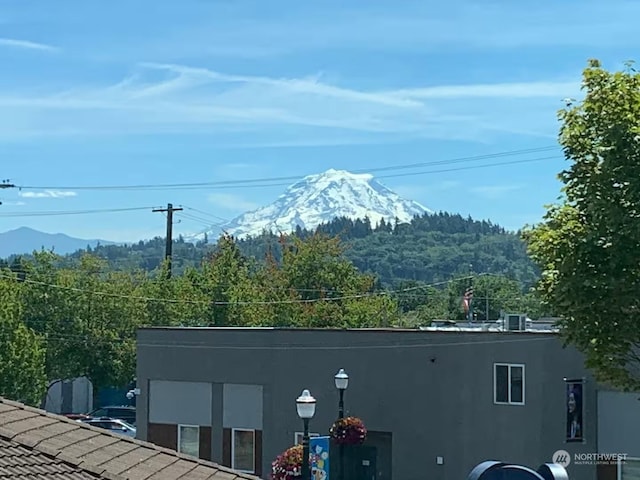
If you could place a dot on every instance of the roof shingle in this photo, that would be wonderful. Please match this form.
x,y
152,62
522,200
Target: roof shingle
x,y
36,445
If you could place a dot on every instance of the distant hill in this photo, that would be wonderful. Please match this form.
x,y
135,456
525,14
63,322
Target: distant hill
x,y
431,248
25,240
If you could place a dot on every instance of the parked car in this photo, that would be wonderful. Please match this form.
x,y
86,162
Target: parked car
x,y
123,412
113,425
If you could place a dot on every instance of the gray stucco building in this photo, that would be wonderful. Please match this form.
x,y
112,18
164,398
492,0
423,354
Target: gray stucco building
x,y
436,403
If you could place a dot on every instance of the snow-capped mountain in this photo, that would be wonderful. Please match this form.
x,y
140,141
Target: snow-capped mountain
x,y
322,197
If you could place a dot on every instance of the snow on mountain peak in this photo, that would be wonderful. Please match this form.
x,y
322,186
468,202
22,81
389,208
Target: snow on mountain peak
x,y
339,175
320,198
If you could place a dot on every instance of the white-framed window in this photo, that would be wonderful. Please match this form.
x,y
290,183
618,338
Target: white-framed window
x,y
189,440
508,383
243,450
297,437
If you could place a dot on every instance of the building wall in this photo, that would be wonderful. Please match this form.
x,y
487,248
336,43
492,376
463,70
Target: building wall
x,y
432,393
619,423
176,402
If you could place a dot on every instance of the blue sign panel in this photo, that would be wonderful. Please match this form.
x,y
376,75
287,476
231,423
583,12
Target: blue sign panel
x,y
319,452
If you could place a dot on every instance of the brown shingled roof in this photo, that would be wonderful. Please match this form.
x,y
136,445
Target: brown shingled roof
x,y
36,445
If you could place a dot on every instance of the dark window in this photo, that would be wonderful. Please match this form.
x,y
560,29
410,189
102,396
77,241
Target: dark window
x,y
502,383
189,440
508,384
517,385
244,450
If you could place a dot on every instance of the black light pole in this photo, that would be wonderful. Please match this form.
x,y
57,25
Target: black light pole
x,y
342,382
306,407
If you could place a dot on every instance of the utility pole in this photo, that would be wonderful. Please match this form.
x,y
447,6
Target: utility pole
x,y
169,240
470,293
486,306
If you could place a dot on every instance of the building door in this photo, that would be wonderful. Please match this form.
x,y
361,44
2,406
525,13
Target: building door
x,y
383,442
370,461
361,464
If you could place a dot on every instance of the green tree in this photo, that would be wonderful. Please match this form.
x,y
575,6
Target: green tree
x,y
428,304
265,298
588,244
48,309
495,294
87,316
22,351
175,301
332,292
225,272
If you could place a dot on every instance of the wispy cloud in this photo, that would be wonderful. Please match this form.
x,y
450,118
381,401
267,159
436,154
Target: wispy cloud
x,y
231,202
496,90
49,194
26,44
170,98
13,203
495,191
311,86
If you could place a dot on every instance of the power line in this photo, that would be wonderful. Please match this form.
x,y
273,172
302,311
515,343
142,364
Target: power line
x,y
269,181
201,212
201,222
201,219
71,212
407,292
208,302
473,167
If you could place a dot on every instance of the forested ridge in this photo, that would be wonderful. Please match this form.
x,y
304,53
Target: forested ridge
x,y
431,248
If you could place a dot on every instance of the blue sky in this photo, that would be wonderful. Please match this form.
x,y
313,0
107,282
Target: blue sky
x,y
117,93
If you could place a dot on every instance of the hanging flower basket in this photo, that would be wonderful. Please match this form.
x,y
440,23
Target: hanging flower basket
x,y
348,431
288,464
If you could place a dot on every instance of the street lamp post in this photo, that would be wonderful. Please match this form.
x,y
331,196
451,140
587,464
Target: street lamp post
x,y
306,407
342,382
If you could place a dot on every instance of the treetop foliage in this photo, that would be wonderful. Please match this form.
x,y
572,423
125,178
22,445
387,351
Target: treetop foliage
x,y
589,242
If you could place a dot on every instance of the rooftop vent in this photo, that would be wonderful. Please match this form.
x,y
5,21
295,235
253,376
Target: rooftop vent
x,y
515,322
